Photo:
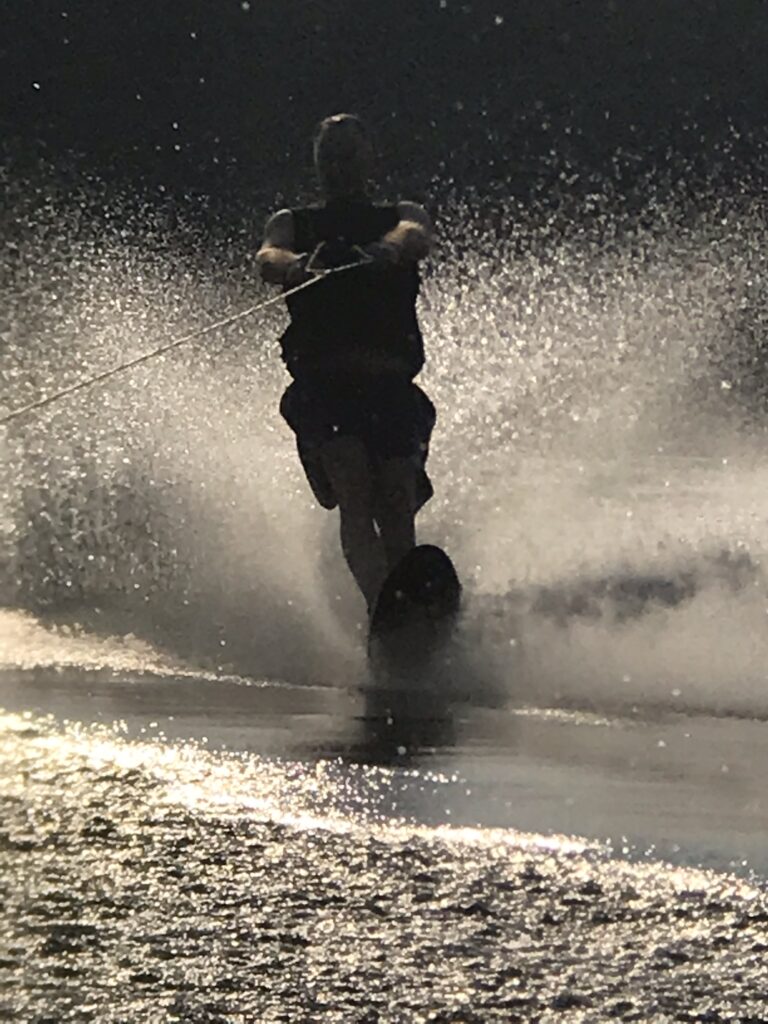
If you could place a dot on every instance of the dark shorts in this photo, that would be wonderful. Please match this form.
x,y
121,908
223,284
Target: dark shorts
x,y
393,418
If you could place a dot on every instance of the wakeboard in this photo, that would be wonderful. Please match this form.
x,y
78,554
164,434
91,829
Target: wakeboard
x,y
416,610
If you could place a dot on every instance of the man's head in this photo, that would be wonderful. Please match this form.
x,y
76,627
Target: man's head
x,y
343,155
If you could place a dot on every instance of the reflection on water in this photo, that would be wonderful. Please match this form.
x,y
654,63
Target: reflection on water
x,y
687,786
144,877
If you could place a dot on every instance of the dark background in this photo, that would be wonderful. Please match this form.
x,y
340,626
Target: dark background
x,y
219,97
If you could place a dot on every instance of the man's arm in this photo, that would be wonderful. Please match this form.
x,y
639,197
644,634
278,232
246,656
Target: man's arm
x,y
278,263
409,240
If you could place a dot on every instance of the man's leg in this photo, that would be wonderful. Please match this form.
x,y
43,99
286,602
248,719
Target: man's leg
x,y
346,464
395,505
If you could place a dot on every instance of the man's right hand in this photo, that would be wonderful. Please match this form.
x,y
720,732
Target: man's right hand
x,y
277,261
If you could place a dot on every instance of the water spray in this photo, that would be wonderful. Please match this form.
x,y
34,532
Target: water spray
x,y
318,274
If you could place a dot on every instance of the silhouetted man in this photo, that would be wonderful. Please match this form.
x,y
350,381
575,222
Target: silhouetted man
x,y
353,348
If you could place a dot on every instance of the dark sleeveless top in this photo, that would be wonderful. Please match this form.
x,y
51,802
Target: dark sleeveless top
x,y
341,322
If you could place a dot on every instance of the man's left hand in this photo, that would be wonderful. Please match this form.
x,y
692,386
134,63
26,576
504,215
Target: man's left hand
x,y
381,252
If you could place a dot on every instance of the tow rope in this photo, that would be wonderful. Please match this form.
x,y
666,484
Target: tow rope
x,y
100,378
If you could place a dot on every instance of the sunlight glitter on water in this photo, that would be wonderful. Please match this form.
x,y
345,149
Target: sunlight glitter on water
x,y
320,795
111,869
324,796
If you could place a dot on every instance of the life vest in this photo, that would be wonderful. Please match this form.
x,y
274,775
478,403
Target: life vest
x,y
346,318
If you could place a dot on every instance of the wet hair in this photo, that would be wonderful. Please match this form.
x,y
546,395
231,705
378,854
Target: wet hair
x,y
343,154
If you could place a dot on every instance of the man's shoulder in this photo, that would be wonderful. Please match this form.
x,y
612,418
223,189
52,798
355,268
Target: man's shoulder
x,y
409,205
289,215
415,212
283,214
278,231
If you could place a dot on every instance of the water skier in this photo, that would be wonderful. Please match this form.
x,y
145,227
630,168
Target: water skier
x,y
353,348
